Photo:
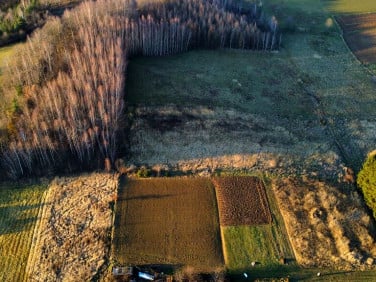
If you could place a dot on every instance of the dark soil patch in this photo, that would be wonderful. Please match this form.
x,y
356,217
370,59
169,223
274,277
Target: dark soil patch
x,y
166,122
242,201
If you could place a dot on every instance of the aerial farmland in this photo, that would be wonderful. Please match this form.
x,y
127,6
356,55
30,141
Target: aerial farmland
x,y
226,140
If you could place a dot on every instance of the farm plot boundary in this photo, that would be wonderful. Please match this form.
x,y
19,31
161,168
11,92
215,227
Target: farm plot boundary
x,y
169,221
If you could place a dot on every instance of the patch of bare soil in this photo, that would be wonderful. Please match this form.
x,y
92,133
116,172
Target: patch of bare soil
x,y
74,235
202,140
359,32
242,201
328,226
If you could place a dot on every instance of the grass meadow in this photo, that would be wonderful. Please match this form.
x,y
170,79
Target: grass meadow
x,y
170,221
314,78
19,208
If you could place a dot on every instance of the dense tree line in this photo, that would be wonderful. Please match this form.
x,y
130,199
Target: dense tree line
x,y
70,76
211,24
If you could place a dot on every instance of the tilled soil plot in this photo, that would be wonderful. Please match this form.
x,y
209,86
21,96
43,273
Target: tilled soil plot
x,y
328,225
170,221
359,32
72,241
242,201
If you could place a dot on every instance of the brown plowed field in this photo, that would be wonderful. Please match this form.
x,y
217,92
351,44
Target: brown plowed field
x,y
242,201
359,32
171,221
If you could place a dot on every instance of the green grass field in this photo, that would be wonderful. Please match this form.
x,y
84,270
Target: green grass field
x,y
19,207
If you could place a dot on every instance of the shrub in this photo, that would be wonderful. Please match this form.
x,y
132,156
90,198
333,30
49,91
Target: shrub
x,y
367,181
144,172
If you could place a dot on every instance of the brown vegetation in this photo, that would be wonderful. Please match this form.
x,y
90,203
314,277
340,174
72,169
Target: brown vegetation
x,y
359,32
327,224
73,238
242,201
170,221
73,92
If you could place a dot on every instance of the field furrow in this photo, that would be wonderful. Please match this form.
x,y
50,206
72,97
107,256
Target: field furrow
x,y
242,201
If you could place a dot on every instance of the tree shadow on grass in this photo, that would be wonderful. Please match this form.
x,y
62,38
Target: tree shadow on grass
x,y
15,219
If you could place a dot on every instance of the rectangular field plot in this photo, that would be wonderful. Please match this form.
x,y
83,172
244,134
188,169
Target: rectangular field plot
x,y
242,201
19,209
244,244
168,221
264,244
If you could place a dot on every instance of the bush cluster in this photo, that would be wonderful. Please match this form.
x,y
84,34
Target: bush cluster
x,y
17,18
367,181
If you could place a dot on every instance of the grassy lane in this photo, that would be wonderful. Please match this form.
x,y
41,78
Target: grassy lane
x,y
19,207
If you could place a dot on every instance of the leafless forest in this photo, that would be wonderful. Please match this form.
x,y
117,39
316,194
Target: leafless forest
x,y
69,113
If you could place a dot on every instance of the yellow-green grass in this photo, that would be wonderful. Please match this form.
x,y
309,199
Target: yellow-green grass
x,y
19,207
170,221
246,244
350,6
